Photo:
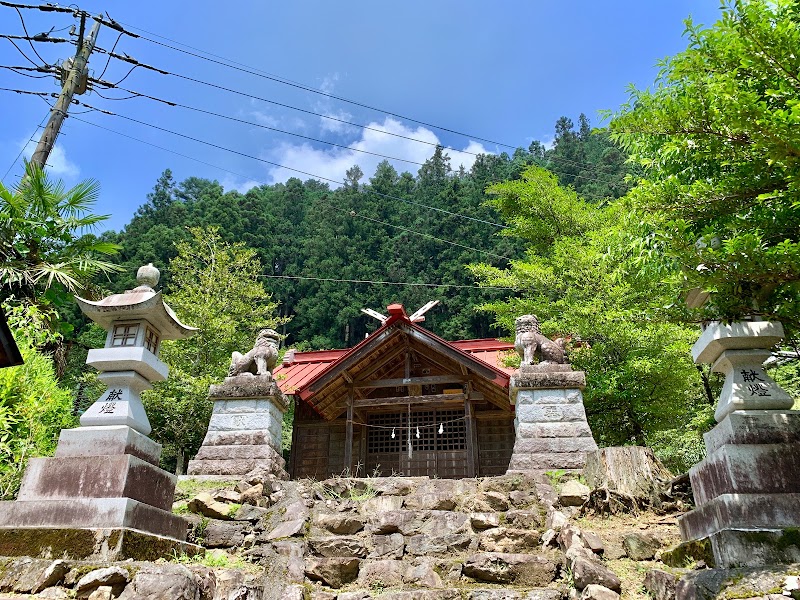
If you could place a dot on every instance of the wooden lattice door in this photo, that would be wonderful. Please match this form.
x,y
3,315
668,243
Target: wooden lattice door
x,y
438,444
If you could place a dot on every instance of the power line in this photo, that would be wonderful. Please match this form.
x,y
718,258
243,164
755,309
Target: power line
x,y
30,138
397,283
313,175
310,175
25,29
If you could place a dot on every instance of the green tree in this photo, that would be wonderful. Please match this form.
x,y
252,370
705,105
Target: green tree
x,y
215,286
581,278
46,253
33,406
718,138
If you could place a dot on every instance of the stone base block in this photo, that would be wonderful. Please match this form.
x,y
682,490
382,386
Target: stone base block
x,y
575,429
92,513
547,461
554,445
239,452
748,548
112,477
237,467
240,438
106,440
91,544
741,511
755,427
534,379
248,386
550,413
747,469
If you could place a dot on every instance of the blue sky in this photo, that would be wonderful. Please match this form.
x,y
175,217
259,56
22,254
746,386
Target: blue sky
x,y
502,71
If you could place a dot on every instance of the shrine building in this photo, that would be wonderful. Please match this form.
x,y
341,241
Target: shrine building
x,y
404,402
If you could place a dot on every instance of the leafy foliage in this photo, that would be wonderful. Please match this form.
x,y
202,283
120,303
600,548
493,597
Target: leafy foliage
x,y
45,252
33,406
215,286
581,278
718,139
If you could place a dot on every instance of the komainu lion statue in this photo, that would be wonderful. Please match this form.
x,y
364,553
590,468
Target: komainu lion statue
x,y
530,343
261,359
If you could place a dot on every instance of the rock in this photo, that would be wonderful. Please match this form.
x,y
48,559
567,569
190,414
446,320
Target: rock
x,y
398,521
543,594
550,539
434,501
286,529
330,596
205,505
640,546
440,594
162,582
481,521
614,551
51,576
296,511
253,494
423,575
250,512
333,572
388,573
231,496
588,571
393,486
294,551
222,534
522,498
521,569
352,596
440,522
687,552
570,536
660,584
426,545
338,546
242,486
206,581
53,593
505,539
381,504
104,592
111,576
555,519
573,493
598,592
546,494
593,541
387,546
495,500
21,574
341,524
525,519
294,592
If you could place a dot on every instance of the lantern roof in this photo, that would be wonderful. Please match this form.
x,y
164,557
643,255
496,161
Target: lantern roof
x,y
142,302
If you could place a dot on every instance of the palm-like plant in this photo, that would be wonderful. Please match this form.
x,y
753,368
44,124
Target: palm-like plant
x,y
44,236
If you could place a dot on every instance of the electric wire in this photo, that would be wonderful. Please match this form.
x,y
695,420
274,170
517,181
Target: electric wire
x,y
21,52
41,7
22,150
397,283
108,62
25,29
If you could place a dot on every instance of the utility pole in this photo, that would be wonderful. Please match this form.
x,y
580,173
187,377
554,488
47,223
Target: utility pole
x,y
75,83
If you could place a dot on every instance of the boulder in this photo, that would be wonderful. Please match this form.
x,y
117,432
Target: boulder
x,y
573,493
205,505
110,576
598,592
422,575
387,546
162,582
253,494
286,529
441,594
495,500
398,521
294,592
440,522
250,512
206,580
522,498
687,552
21,574
388,573
593,541
521,569
432,501
589,571
381,504
338,546
526,519
570,536
296,510
481,521
640,546
506,539
294,551
231,496
427,545
660,584
393,486
53,593
51,576
339,523
104,592
333,572
223,534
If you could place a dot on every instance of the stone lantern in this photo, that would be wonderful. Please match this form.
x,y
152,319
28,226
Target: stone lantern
x,y
103,495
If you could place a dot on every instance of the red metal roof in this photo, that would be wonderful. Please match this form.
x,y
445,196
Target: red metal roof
x,y
299,368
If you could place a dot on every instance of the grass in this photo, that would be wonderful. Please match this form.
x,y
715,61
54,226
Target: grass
x,y
188,488
216,559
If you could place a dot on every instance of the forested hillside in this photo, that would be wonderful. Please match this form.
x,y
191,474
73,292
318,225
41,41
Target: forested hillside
x,y
381,228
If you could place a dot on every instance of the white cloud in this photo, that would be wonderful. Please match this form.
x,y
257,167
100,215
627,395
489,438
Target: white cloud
x,y
57,163
241,185
333,163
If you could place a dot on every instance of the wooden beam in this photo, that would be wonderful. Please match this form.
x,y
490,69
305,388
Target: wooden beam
x,y
405,382
452,353
408,400
472,440
348,443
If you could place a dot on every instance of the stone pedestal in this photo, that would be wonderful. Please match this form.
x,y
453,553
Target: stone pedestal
x,y
550,425
747,489
103,482
244,434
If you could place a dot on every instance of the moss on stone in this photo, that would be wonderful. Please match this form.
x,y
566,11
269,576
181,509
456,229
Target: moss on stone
x,y
687,552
